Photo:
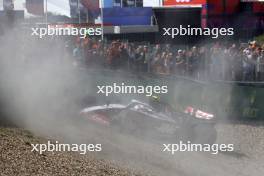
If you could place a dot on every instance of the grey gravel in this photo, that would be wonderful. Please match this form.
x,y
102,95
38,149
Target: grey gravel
x,y
17,159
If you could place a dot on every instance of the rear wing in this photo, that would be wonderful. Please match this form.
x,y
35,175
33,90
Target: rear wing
x,y
198,113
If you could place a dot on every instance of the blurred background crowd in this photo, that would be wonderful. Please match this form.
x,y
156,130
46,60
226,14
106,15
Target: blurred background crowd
x,y
214,61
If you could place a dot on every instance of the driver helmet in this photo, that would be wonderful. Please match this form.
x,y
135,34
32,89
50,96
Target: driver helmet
x,y
156,103
155,98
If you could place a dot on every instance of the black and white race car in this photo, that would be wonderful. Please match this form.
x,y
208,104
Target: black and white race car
x,y
143,119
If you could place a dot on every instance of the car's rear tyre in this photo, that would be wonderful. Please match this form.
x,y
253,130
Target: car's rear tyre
x,y
198,134
204,134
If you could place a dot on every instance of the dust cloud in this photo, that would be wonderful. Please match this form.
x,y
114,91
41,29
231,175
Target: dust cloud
x,y
42,91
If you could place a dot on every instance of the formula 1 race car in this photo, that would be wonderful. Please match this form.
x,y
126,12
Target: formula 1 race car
x,y
143,119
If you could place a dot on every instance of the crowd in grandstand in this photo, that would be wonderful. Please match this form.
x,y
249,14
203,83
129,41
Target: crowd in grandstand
x,y
218,61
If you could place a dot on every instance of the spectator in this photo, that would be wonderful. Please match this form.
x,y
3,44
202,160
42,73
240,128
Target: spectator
x,y
260,64
179,65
